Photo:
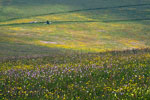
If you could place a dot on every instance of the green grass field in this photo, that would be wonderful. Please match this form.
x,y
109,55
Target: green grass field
x,y
92,50
11,9
117,28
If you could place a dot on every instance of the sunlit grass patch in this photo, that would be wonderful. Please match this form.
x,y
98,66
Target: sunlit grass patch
x,y
96,37
64,17
132,43
18,21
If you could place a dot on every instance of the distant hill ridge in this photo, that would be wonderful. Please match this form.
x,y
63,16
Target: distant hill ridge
x,y
11,9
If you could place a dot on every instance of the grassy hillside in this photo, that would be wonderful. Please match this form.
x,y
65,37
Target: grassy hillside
x,y
10,9
39,38
92,50
115,25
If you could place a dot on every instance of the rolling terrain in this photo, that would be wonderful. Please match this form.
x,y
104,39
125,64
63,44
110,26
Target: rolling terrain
x,y
91,50
96,27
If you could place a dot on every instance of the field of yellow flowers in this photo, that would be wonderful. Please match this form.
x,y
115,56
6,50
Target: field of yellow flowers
x,y
115,75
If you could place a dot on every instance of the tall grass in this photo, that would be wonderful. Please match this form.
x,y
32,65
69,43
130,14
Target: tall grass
x,y
91,76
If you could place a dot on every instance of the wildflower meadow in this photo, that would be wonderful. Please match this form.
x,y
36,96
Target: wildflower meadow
x,y
115,75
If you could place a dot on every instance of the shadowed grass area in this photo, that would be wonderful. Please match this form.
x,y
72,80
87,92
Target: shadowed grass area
x,y
123,8
11,50
13,9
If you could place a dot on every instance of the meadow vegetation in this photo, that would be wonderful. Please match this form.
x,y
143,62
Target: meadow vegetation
x,y
99,54
111,75
88,30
